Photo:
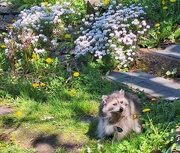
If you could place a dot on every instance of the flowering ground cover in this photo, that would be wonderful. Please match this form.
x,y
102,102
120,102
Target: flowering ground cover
x,y
56,102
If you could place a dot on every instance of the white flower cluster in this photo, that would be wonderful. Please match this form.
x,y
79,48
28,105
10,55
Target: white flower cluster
x,y
115,32
38,26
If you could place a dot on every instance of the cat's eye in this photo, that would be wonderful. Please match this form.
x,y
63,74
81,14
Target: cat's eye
x,y
115,104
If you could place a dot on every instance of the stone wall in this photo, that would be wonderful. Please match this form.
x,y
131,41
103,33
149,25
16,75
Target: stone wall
x,y
158,62
7,14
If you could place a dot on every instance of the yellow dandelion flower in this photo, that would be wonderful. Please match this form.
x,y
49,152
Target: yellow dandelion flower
x,y
76,74
35,59
48,60
35,84
18,114
3,46
46,3
158,32
106,2
157,25
163,2
134,116
172,1
67,36
42,84
10,27
165,8
40,77
153,99
72,92
34,55
146,110
12,139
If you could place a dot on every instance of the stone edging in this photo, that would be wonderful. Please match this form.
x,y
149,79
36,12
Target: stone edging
x,y
159,61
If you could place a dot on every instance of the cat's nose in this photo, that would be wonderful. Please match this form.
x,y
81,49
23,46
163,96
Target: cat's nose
x,y
121,110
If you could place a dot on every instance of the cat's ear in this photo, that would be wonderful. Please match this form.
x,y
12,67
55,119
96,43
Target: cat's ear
x,y
104,99
121,93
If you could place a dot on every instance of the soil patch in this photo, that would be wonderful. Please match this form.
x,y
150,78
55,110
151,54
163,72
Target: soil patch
x,y
5,110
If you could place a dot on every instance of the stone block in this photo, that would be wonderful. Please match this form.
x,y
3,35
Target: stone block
x,y
8,18
161,61
93,1
1,17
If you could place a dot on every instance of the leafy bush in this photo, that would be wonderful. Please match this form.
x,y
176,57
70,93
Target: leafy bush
x,y
166,14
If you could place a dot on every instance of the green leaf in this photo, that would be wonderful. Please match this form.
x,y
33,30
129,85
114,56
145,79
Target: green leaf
x,y
174,71
168,73
177,33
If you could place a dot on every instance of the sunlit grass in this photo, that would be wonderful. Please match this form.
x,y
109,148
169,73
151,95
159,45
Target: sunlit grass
x,y
65,119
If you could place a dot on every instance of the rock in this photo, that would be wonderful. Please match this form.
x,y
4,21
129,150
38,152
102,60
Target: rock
x,y
7,14
5,3
8,10
8,18
63,58
93,1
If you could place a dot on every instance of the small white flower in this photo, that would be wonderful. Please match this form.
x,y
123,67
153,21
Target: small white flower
x,y
107,45
125,65
39,51
109,41
147,26
54,42
83,20
7,51
135,22
133,47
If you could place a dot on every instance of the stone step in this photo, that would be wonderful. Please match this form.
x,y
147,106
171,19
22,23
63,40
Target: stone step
x,y
151,85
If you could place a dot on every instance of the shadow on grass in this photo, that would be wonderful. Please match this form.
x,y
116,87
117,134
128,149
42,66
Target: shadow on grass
x,y
50,143
92,130
46,143
93,121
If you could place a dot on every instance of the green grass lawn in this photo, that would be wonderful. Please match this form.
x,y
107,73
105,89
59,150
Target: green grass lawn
x,y
71,121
